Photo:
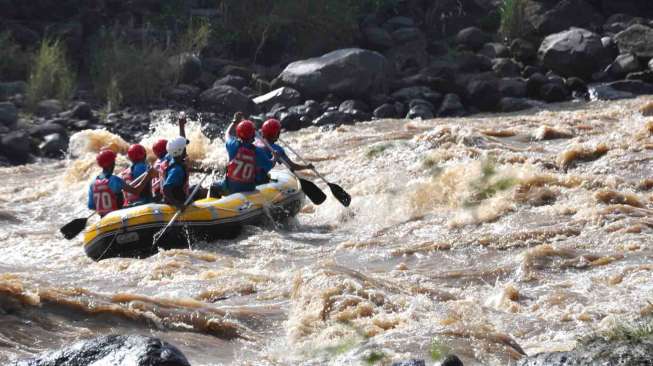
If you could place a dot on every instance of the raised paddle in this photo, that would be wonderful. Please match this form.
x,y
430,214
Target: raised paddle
x,y
73,228
337,191
312,191
186,204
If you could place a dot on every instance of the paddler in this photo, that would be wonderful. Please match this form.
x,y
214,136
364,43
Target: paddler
x,y
174,180
137,154
105,194
159,149
270,130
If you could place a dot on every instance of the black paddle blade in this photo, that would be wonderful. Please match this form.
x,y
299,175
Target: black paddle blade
x,y
340,194
71,229
314,193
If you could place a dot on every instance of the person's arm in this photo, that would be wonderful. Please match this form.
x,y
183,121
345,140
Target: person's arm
x,y
138,188
91,201
231,129
182,124
294,166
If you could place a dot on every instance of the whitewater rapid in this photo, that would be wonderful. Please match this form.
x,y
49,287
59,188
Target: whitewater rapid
x,y
490,237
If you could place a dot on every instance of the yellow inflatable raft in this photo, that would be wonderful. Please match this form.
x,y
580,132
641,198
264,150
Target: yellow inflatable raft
x,y
130,232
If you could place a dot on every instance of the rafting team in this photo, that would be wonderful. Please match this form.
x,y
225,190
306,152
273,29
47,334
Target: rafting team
x,y
250,161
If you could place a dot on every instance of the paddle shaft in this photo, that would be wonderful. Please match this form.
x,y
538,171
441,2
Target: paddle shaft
x,y
186,203
280,159
302,159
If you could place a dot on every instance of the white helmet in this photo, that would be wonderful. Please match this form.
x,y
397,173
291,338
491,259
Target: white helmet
x,y
176,146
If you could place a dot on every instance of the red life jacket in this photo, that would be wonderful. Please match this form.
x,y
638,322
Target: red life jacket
x,y
128,178
242,168
156,181
180,193
105,199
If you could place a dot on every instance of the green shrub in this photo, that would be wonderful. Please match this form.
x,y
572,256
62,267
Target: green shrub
x,y
134,72
195,38
512,19
51,75
15,61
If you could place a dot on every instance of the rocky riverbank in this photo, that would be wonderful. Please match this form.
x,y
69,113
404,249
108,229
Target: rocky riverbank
x,y
401,64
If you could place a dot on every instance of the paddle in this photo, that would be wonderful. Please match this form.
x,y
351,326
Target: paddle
x,y
73,228
312,191
179,212
337,191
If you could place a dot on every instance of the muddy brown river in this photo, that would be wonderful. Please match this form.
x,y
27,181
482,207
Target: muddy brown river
x,y
489,237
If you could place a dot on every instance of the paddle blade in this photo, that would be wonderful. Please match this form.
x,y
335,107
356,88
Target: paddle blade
x,y
71,229
340,194
314,193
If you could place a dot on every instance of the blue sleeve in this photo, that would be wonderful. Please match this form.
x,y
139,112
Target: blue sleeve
x,y
232,146
263,161
91,201
116,184
280,151
175,177
138,170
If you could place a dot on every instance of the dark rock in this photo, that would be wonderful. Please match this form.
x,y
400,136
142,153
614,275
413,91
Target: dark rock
x,y
650,64
522,50
483,93
352,104
608,42
82,110
54,145
636,87
290,121
605,92
379,99
400,108
348,72
576,84
637,39
250,92
494,50
206,80
82,125
509,104
416,102
399,22
236,70
602,76
472,38
385,111
8,114
17,146
566,14
505,67
133,350
554,92
182,93
470,62
47,128
188,67
437,48
409,57
12,88
48,108
284,96
623,64
226,99
529,70
451,360
451,106
359,116
575,52
441,69
236,81
645,76
421,111
598,351
417,92
411,362
513,87
333,118
406,35
313,109
377,38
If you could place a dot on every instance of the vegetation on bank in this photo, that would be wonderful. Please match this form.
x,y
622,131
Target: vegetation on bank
x,y
15,61
512,19
51,75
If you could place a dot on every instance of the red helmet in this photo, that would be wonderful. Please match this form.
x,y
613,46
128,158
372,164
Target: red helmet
x,y
271,129
106,158
159,147
136,152
246,130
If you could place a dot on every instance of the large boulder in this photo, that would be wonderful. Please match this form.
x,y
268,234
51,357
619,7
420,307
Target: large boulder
x,y
575,52
417,92
351,72
494,50
118,350
377,38
284,96
506,67
48,108
483,93
236,81
623,65
472,38
523,50
17,146
451,106
637,39
513,87
8,114
54,145
226,99
636,87
568,13
333,118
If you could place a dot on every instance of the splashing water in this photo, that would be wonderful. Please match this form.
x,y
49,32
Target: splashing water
x,y
440,250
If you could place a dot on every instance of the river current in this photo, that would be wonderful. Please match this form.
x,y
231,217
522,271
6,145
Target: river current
x,y
489,237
